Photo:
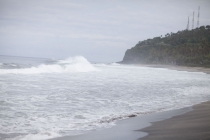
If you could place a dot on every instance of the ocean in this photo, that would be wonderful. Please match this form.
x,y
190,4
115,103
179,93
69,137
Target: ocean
x,y
47,98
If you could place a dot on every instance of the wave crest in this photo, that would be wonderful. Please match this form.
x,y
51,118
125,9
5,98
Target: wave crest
x,y
71,64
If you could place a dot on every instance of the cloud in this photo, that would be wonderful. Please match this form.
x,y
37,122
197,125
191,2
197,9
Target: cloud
x,y
80,26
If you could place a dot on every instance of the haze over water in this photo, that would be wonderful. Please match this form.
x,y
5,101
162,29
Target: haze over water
x,y
45,98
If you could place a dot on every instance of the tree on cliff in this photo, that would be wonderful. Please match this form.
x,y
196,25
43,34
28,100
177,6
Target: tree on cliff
x,y
190,48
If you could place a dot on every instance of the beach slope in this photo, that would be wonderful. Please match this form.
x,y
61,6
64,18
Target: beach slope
x,y
193,125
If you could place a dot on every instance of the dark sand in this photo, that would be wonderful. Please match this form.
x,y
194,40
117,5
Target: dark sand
x,y
127,129
190,123
194,125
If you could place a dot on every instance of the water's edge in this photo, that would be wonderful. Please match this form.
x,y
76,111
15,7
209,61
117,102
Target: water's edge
x,y
129,128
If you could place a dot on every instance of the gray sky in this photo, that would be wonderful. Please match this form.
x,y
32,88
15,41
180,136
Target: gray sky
x,y
98,30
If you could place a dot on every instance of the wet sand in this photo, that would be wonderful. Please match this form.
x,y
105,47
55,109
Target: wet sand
x,y
194,125
190,123
127,129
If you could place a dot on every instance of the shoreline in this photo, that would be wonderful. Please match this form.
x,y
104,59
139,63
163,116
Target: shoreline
x,y
158,125
191,125
175,67
127,128
141,127
184,68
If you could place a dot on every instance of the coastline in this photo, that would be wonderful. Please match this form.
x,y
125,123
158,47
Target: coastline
x,y
127,129
148,127
192,125
175,67
185,123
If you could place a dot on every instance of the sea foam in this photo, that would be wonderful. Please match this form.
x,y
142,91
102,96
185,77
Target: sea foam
x,y
39,136
71,64
61,101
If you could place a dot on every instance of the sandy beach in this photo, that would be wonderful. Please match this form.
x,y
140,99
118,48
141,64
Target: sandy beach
x,y
127,129
193,125
190,123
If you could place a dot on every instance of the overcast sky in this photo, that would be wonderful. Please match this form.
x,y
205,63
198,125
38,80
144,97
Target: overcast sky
x,y
99,30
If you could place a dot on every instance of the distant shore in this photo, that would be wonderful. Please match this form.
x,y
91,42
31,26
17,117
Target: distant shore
x,y
176,67
190,69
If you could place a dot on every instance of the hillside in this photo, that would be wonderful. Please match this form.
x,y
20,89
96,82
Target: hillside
x,y
186,48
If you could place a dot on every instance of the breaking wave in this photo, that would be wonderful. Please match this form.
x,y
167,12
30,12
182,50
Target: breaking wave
x,y
72,64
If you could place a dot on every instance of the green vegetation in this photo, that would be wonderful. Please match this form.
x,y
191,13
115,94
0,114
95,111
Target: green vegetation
x,y
187,48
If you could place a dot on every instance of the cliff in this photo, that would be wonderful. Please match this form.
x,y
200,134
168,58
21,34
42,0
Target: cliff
x,y
187,48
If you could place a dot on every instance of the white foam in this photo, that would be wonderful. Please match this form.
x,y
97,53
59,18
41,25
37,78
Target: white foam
x,y
13,65
73,60
115,64
68,104
72,64
39,136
